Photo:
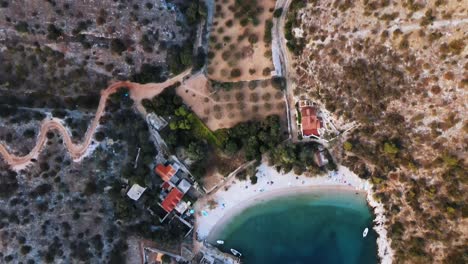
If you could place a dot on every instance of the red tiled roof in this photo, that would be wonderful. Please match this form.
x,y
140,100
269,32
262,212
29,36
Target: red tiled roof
x,y
310,122
165,172
166,185
172,199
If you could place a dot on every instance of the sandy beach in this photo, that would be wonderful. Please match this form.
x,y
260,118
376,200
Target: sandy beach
x,y
216,208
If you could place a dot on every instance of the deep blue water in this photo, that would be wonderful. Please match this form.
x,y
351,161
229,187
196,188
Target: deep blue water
x,y
321,227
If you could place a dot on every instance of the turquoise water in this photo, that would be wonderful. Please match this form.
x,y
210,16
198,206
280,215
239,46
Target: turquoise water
x,y
319,227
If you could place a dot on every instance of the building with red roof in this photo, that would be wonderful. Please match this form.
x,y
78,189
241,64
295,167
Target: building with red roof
x,y
172,199
310,122
166,186
166,172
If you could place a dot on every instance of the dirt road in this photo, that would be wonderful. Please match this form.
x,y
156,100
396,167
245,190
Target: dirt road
x,y
78,151
279,41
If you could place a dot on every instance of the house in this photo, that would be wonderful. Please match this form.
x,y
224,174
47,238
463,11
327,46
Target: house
x,y
156,121
172,199
175,186
310,122
166,171
135,192
184,186
319,157
304,103
182,207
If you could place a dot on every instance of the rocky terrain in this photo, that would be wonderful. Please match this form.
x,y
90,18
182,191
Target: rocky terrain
x,y
67,48
399,71
57,56
57,209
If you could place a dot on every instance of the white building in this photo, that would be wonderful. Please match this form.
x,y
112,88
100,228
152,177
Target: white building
x,y
135,192
156,121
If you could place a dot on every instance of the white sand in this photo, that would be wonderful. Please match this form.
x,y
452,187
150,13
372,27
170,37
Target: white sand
x,y
385,252
242,194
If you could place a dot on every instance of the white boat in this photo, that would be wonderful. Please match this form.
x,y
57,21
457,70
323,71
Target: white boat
x,y
236,253
220,242
364,234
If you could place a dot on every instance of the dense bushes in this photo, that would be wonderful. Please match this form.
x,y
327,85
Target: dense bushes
x,y
117,46
22,27
137,136
267,38
180,58
195,12
298,157
149,73
186,129
53,33
278,82
8,183
255,138
295,45
278,12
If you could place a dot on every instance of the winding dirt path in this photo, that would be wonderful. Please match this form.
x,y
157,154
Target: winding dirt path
x,y
78,151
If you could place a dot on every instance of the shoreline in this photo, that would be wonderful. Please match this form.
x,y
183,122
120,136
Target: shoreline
x,y
276,194
216,209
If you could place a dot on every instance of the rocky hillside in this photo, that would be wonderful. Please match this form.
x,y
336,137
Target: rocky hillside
x,y
65,47
399,70
55,58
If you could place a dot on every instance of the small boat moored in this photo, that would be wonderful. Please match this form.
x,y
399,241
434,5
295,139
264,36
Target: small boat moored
x,y
364,234
236,253
220,242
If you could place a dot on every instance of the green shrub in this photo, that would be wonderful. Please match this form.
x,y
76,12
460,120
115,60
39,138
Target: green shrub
x,y
53,33
278,82
456,46
450,160
166,259
390,148
236,73
347,146
195,12
117,46
22,27
253,179
253,38
149,73
268,26
278,12
180,58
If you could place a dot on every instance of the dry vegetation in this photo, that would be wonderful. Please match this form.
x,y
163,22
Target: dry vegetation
x,y
400,70
63,48
56,56
55,209
240,40
223,105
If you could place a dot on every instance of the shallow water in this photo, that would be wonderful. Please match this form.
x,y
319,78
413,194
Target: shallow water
x,y
319,227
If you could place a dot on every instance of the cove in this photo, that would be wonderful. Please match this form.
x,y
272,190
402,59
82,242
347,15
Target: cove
x,y
321,226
